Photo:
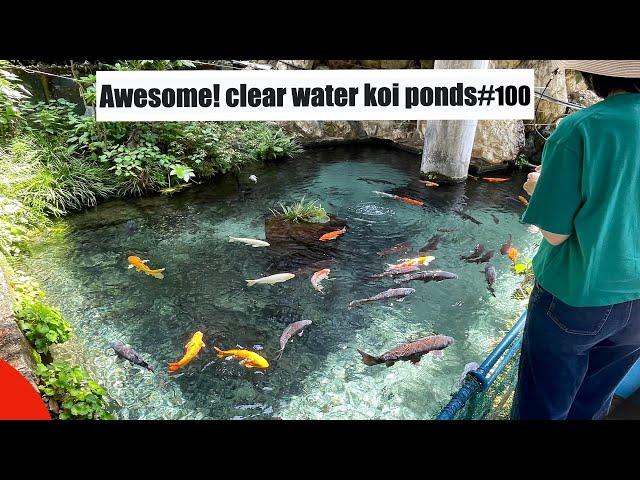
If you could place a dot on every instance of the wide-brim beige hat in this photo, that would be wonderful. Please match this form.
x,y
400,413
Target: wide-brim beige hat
x,y
609,68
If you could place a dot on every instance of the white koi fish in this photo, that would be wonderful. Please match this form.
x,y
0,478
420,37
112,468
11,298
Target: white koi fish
x,y
249,241
271,279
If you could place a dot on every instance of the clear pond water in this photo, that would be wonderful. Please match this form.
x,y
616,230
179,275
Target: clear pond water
x,y
320,376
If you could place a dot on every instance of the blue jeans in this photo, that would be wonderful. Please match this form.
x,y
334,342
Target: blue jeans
x,y
573,358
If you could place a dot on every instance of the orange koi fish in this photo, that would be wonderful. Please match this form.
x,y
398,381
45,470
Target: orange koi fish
x,y
333,235
411,201
495,179
513,254
249,359
523,200
317,277
408,200
139,265
192,348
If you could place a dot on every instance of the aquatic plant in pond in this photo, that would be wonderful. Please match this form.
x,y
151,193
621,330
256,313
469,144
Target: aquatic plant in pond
x,y
301,211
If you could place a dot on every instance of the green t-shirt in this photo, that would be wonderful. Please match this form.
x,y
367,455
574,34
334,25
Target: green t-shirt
x,y
589,188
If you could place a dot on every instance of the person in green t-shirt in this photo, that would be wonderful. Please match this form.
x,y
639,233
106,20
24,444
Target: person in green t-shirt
x,y
582,333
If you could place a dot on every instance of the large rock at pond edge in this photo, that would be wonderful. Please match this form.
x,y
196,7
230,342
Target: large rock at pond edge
x,y
341,64
370,63
498,140
504,63
548,112
14,348
294,65
317,129
398,131
395,64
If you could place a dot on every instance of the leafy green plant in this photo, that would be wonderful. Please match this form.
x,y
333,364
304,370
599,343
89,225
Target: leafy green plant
x,y
269,143
24,287
130,161
42,325
310,211
147,180
12,96
88,84
73,394
57,160
20,216
67,390
182,172
49,118
44,178
521,161
70,184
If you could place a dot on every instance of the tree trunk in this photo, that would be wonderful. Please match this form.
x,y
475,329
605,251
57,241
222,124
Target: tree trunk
x,y
448,143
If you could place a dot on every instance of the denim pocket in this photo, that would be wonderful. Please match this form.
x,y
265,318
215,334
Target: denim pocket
x,y
578,320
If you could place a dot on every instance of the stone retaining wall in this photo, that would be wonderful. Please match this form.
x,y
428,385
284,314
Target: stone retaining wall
x,y
14,347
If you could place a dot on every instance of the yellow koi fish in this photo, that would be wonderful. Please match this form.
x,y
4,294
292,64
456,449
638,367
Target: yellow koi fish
x,y
249,359
193,347
140,265
414,262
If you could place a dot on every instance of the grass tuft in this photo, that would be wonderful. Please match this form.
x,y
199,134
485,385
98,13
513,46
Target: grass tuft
x,y
309,211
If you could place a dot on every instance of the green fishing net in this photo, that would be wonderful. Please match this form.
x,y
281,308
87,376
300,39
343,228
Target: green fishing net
x,y
495,402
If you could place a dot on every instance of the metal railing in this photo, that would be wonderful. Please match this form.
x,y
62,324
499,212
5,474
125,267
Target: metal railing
x,y
482,378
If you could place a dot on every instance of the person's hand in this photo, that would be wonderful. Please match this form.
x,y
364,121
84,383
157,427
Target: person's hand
x,y
532,179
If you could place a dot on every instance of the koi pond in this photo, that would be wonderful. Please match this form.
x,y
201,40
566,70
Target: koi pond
x,y
321,375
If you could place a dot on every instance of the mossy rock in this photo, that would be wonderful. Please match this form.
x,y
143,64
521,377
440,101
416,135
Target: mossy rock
x,y
296,247
280,231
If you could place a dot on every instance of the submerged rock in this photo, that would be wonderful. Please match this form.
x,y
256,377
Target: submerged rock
x,y
282,233
296,246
